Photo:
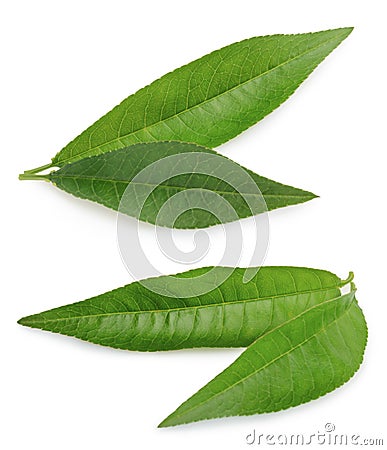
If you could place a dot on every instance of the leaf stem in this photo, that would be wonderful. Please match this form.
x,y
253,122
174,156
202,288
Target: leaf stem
x,y
39,169
33,176
348,280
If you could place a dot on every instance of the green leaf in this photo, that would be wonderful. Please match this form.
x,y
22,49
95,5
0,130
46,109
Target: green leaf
x,y
211,100
305,339
174,184
308,356
165,313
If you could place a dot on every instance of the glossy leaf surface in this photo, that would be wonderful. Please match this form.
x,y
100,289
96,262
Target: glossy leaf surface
x,y
211,100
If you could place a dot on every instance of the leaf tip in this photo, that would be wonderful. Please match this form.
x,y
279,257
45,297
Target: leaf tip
x,y
344,30
164,424
170,421
347,29
25,321
308,196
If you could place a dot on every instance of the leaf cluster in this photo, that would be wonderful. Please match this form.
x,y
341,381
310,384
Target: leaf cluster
x,y
152,158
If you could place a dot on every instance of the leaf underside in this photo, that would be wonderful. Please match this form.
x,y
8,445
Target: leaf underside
x,y
232,315
211,100
175,184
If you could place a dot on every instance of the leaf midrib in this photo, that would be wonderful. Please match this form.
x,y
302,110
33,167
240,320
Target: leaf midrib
x,y
194,307
181,188
63,161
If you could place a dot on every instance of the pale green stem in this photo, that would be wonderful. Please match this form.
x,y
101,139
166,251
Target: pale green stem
x,y
348,280
39,169
33,176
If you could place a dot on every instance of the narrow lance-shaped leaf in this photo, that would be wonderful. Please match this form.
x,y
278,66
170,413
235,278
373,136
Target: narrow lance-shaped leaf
x,y
303,358
158,314
174,184
211,100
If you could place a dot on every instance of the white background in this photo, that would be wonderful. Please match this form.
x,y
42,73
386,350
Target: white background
x,y
64,64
